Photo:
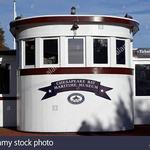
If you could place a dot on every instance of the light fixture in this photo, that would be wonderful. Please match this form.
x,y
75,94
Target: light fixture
x,y
73,10
74,26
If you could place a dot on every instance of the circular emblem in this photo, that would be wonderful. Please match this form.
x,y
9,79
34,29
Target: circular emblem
x,y
76,98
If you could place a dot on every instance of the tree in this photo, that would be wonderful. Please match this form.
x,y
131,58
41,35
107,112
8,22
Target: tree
x,y
2,40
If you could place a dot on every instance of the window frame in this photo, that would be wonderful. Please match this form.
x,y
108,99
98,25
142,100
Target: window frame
x,y
108,53
84,52
139,62
23,48
126,52
42,52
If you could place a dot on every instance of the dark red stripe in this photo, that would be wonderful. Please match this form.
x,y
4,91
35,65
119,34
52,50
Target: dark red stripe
x,y
8,98
76,70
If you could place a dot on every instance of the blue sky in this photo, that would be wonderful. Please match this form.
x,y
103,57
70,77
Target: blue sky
x,y
139,9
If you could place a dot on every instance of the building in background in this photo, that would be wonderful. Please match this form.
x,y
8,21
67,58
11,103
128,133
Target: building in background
x,y
8,99
141,65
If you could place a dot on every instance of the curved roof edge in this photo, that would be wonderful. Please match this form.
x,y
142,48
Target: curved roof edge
x,y
81,19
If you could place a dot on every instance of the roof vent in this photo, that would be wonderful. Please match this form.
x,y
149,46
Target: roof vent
x,y
128,16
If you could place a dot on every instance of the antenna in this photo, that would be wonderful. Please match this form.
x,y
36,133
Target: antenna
x,y
14,17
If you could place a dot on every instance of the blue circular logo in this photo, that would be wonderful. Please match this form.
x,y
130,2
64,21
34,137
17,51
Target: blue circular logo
x,y
76,98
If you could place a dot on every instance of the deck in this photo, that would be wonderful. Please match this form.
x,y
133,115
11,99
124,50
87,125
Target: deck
x,y
139,130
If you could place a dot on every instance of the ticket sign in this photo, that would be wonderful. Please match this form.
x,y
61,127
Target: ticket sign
x,y
142,53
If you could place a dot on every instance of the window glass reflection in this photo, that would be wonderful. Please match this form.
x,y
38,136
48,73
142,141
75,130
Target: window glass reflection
x,y
100,51
142,80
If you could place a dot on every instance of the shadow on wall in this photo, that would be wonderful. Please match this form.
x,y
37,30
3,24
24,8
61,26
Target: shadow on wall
x,y
123,121
142,112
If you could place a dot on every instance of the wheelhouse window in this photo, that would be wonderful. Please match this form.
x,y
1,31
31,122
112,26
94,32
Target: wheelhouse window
x,y
120,51
4,78
30,52
50,49
75,51
142,80
100,47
